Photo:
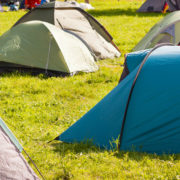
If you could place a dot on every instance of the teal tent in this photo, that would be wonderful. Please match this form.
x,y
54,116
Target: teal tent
x,y
142,112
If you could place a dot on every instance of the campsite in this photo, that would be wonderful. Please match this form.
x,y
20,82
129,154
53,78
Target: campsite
x,y
38,108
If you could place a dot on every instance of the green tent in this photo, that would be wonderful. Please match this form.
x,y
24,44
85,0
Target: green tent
x,y
42,47
166,31
77,21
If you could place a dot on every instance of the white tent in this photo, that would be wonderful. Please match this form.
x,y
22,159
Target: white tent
x,y
12,163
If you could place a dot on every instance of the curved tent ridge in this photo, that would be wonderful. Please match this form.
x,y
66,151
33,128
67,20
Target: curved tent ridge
x,y
53,36
170,24
61,36
66,5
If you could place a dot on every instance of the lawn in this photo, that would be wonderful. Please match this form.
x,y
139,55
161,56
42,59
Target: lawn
x,y
37,109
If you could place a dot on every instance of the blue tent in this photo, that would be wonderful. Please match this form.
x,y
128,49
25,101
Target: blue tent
x,y
145,118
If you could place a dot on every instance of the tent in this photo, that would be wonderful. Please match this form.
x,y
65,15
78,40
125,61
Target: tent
x,y
159,5
1,8
41,47
166,31
13,165
142,112
68,17
174,5
152,6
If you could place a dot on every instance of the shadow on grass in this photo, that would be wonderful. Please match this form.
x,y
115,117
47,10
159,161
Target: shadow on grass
x,y
119,11
139,156
75,148
40,75
85,148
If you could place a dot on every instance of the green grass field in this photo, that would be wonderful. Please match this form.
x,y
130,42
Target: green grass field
x,y
37,109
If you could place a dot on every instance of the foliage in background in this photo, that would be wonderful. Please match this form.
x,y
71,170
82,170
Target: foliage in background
x,y
37,108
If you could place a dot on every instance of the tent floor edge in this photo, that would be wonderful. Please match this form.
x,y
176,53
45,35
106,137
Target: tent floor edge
x,y
7,68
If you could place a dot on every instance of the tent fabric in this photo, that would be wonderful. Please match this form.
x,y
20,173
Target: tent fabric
x,y
152,6
165,31
132,60
1,8
174,4
158,5
153,119
13,165
11,136
68,17
41,45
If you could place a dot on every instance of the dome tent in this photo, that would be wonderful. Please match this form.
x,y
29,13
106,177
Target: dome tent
x,y
174,5
159,5
142,111
13,164
41,47
166,31
75,20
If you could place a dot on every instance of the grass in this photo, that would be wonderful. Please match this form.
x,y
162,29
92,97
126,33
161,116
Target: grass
x,y
37,109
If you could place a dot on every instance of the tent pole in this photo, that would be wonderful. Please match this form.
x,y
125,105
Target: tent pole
x,y
132,87
34,164
47,63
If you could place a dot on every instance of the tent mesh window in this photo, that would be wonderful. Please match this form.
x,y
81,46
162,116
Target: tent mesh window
x,y
166,36
162,38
